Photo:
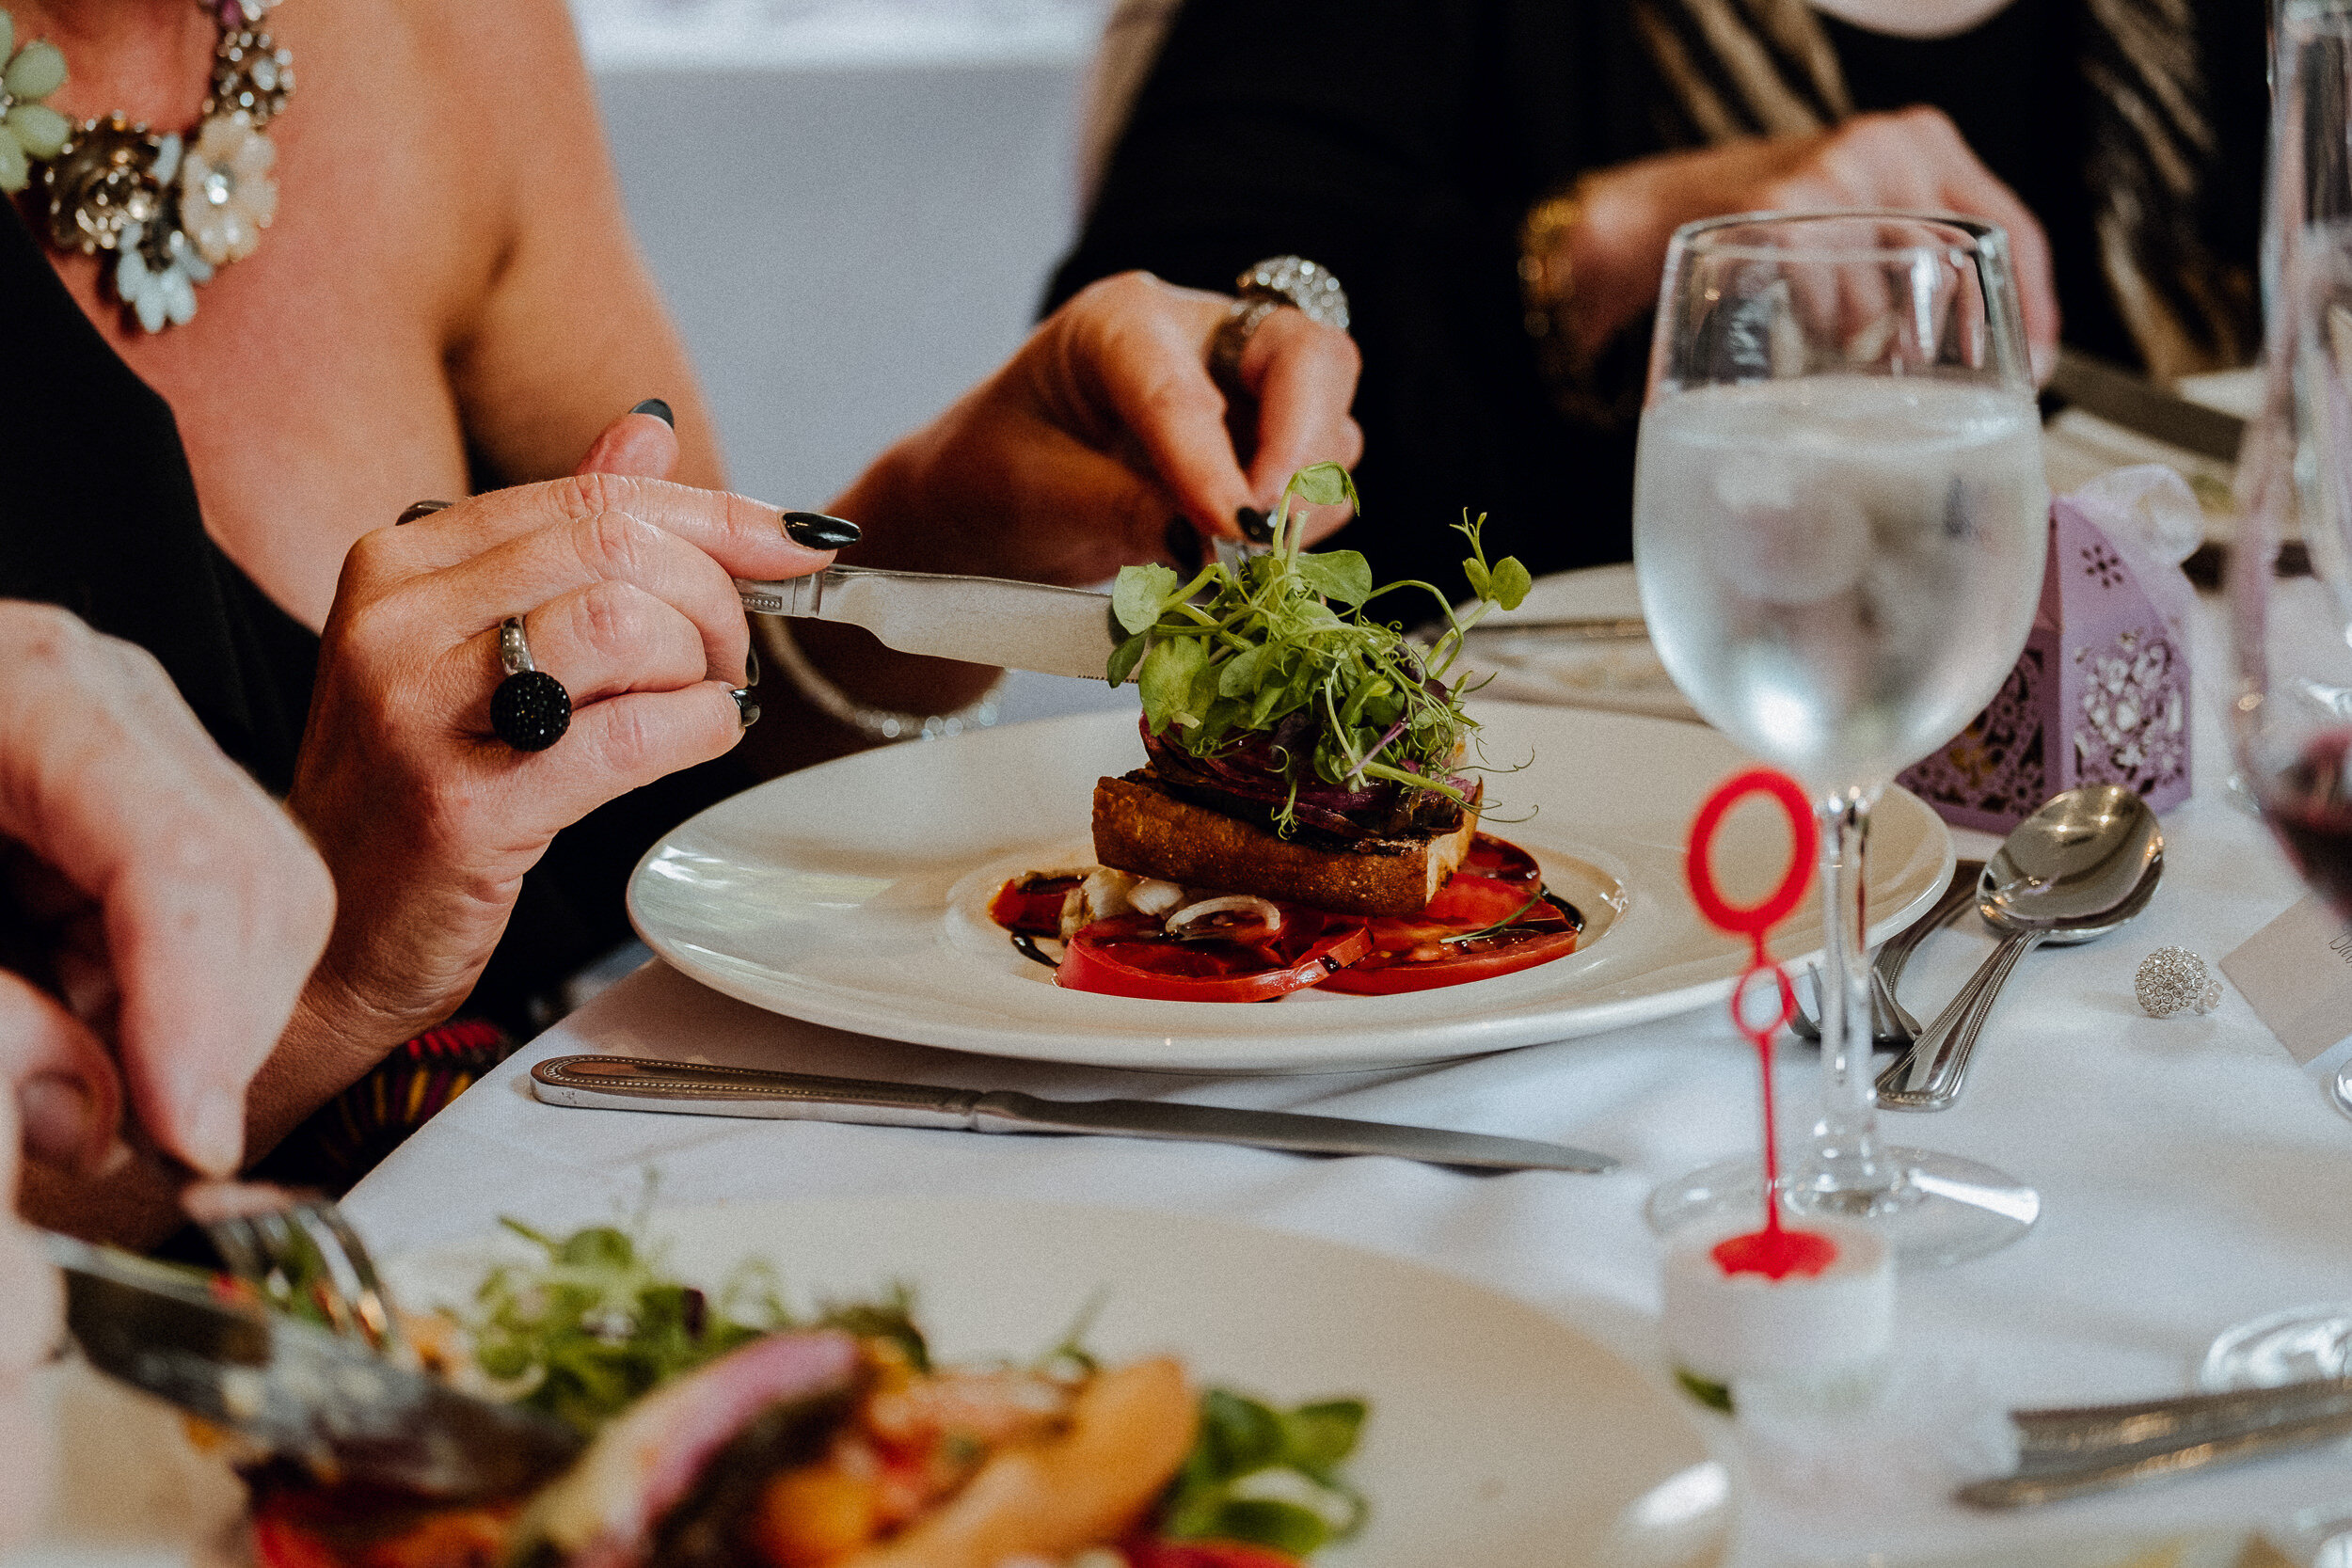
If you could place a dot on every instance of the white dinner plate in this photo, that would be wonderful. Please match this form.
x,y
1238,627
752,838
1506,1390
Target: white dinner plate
x,y
1499,1436
854,894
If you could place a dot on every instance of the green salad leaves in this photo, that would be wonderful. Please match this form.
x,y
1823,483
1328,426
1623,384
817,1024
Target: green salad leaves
x,y
597,1326
1231,654
1269,1477
583,1333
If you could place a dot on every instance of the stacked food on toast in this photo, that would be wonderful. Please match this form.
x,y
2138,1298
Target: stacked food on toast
x,y
1305,773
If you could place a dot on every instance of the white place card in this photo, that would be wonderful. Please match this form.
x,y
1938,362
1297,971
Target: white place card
x,y
2297,971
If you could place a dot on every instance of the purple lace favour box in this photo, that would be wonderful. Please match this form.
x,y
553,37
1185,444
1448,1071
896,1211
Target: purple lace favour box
x,y
2099,696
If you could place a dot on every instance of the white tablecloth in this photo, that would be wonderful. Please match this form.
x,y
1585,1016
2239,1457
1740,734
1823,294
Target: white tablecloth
x,y
2191,1176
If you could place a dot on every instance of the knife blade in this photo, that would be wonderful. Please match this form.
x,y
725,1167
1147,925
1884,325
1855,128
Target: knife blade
x,y
634,1082
2118,396
1021,626
295,1390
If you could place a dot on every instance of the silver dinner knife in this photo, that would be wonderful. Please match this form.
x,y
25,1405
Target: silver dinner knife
x,y
2069,1451
637,1083
297,1390
2119,397
1021,626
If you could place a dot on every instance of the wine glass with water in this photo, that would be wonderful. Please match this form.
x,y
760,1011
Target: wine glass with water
x,y
1839,523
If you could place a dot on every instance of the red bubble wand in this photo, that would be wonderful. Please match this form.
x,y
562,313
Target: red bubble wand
x,y
1773,1252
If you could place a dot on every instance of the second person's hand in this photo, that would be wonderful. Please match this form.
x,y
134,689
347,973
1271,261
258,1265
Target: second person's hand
x,y
1912,159
1074,459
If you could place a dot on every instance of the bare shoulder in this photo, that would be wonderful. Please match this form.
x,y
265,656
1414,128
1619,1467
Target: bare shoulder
x,y
511,68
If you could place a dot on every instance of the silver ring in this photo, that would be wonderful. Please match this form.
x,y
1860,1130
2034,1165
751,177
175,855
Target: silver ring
x,y
530,710
514,648
1262,289
1295,280
421,509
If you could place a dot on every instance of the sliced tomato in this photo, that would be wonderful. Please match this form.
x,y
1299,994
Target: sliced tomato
x,y
1491,918
1455,961
1501,860
1032,904
1130,955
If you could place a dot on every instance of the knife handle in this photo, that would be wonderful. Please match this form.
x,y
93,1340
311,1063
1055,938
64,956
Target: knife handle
x,y
2050,1482
637,1082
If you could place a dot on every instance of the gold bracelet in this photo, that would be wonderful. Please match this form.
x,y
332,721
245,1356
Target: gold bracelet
x,y
1547,282
1547,289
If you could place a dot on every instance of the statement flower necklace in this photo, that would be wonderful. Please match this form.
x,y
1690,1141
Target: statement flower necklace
x,y
172,208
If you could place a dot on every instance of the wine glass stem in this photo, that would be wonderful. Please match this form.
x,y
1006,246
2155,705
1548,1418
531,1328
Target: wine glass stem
x,y
1844,1159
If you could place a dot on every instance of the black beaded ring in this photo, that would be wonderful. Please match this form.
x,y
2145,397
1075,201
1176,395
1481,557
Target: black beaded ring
x,y
530,710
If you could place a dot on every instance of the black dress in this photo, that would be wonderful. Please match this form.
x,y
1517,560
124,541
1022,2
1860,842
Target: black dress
x,y
1401,142
99,514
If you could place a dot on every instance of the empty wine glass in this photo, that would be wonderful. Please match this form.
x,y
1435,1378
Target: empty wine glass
x,y
1840,526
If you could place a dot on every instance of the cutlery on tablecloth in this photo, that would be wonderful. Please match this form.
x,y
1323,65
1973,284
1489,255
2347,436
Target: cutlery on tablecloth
x,y
2118,396
297,1390
639,1084
1892,1027
2081,866
1021,626
2068,1452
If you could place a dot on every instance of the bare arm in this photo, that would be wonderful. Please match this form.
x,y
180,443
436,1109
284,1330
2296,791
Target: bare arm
x,y
571,331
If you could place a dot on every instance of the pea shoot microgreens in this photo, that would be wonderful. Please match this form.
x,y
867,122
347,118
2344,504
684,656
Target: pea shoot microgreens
x,y
598,1325
1232,653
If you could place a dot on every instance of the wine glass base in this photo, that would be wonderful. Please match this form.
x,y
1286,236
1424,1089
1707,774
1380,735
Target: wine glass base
x,y
2283,1347
1945,1209
2339,1090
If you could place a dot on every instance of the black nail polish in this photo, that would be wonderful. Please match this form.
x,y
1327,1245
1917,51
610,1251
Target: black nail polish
x,y
751,665
1183,546
745,707
1256,526
821,532
658,410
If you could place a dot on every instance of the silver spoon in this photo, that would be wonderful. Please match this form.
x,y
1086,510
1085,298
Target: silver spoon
x,y
2077,868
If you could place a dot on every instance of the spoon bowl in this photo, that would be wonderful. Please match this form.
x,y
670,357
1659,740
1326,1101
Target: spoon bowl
x,y
2081,866
2077,868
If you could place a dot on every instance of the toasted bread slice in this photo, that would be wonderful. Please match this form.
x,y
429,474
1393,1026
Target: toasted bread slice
x,y
1140,828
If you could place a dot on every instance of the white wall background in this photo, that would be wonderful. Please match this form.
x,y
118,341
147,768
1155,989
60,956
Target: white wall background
x,y
853,206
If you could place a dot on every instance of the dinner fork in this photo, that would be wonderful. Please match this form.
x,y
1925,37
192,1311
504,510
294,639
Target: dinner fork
x,y
305,1257
1892,1026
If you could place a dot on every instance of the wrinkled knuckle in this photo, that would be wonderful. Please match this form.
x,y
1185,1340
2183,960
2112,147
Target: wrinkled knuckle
x,y
367,630
630,741
610,618
42,630
371,554
587,495
449,810
191,849
1122,292
1923,119
614,545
